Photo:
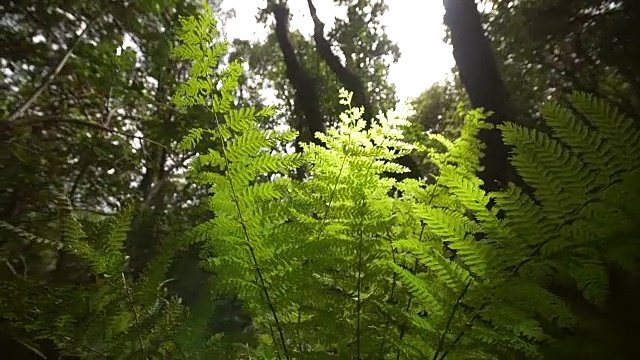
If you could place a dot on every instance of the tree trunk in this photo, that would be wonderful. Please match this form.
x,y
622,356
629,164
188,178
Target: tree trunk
x,y
307,100
483,83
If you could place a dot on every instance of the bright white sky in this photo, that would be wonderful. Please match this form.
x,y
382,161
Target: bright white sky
x,y
415,25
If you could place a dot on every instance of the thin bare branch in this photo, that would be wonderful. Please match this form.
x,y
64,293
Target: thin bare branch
x,y
72,120
155,189
51,75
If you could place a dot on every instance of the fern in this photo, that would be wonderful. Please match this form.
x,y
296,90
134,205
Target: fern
x,y
592,192
110,314
234,239
345,262
445,270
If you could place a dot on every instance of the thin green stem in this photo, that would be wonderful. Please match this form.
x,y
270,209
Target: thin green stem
x,y
450,320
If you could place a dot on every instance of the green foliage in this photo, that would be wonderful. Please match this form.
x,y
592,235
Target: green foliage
x,y
345,262
110,313
332,266
533,40
586,178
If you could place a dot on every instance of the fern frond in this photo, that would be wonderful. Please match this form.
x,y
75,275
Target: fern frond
x,y
617,129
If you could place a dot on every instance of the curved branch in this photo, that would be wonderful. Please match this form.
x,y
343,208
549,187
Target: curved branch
x,y
51,75
307,100
349,79
61,119
352,82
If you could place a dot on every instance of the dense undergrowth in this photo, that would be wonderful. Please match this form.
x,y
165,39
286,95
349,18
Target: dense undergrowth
x,y
347,263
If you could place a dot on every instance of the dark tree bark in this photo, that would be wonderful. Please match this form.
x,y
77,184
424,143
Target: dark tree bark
x,y
349,79
306,99
353,83
483,83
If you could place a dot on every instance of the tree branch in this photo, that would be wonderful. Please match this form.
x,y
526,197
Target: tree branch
x,y
349,79
155,189
26,121
307,100
51,75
